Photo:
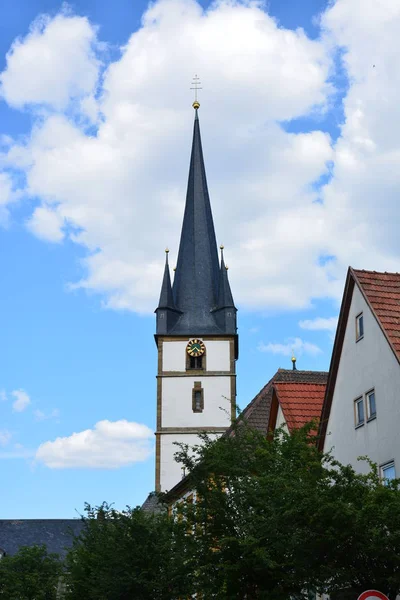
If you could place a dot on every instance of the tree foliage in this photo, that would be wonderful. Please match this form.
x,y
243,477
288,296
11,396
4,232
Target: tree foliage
x,y
31,574
271,519
126,555
277,519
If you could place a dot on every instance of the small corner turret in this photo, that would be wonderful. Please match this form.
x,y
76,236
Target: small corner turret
x,y
225,311
166,311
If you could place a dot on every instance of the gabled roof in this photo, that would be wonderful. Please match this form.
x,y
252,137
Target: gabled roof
x,y
56,534
256,414
301,402
381,292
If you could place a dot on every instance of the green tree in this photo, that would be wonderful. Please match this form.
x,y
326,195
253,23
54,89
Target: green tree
x,y
128,555
31,574
277,519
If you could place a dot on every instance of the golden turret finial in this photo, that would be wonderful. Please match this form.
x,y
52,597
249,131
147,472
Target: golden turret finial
x,y
174,269
226,267
166,250
196,83
221,247
294,362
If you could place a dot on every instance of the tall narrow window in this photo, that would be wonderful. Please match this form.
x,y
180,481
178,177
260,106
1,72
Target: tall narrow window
x,y
359,411
388,472
197,397
371,404
359,327
195,362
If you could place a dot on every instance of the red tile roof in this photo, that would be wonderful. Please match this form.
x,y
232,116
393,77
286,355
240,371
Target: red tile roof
x,y
257,412
300,402
382,292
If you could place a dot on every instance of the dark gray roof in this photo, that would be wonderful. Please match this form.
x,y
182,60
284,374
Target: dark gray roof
x,y
166,297
56,534
197,275
152,505
225,298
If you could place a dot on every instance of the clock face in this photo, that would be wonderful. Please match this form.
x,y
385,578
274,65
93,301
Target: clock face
x,y
195,348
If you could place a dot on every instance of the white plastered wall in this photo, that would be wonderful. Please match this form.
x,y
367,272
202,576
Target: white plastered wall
x,y
280,419
217,355
177,410
366,364
176,400
170,471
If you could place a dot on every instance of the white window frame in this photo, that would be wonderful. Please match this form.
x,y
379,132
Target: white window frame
x,y
357,401
359,335
385,466
370,416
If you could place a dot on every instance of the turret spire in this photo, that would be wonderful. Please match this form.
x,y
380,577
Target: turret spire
x,y
225,298
167,313
166,296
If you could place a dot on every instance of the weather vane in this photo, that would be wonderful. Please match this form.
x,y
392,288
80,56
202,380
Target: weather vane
x,y
196,83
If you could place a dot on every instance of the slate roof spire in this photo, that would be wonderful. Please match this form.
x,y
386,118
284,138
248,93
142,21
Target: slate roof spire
x,y
225,298
166,311
200,292
166,296
225,311
197,271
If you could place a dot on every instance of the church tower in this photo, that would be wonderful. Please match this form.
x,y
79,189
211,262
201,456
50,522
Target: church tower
x,y
196,333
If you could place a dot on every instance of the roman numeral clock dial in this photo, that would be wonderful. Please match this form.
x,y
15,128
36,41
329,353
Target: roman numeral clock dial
x,y
195,348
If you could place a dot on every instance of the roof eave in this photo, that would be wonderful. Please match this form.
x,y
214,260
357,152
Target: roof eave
x,y
335,359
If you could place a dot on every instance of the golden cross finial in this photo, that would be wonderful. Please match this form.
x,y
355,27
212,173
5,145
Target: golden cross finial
x,y
196,83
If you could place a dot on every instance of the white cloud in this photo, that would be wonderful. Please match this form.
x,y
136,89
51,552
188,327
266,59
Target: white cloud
x,y
120,192
21,401
46,223
52,65
5,437
42,416
109,445
319,323
293,345
3,396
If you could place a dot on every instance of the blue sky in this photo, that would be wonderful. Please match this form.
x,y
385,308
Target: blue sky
x,y
79,289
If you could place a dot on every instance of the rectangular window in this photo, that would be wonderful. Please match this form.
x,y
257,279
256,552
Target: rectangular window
x,y
371,404
195,363
359,411
197,397
388,472
359,327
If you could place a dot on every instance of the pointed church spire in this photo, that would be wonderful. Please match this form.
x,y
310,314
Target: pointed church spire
x,y
225,312
166,311
166,297
225,298
195,286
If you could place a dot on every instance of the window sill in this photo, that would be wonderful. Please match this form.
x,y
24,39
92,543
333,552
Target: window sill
x,y
371,418
359,425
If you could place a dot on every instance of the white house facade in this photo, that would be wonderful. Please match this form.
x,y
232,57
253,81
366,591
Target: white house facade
x,y
361,414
